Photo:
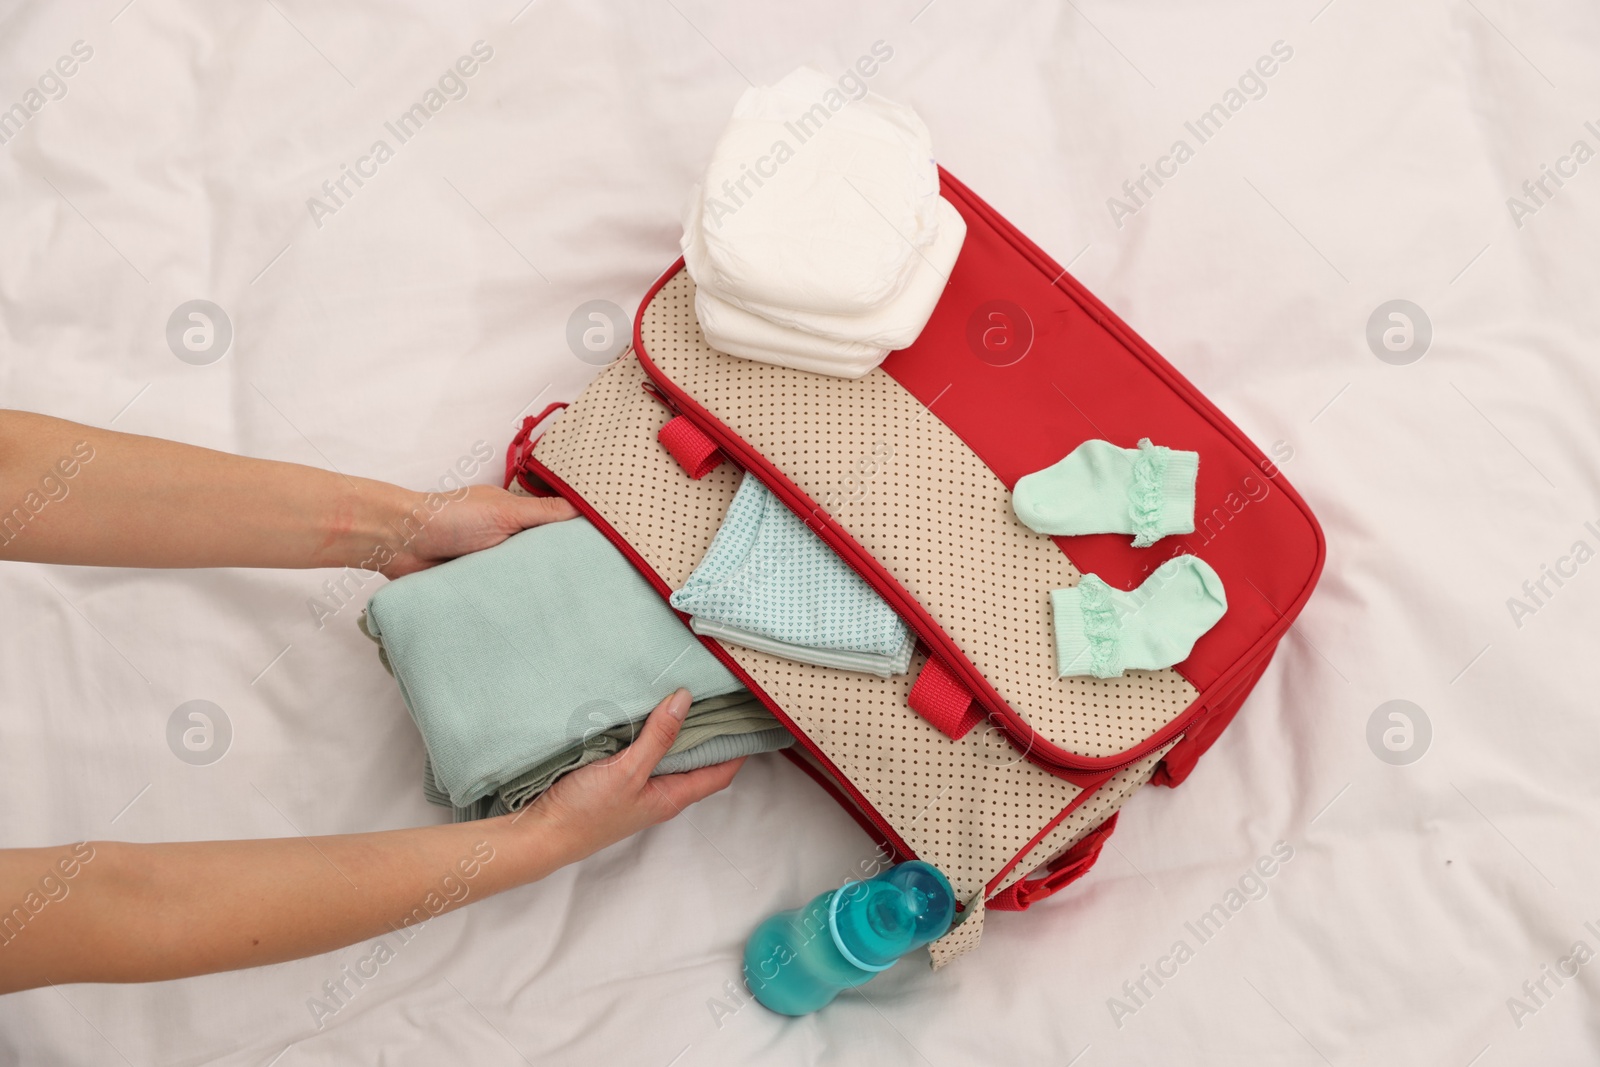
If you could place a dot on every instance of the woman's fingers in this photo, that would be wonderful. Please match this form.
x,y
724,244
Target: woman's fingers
x,y
537,510
681,790
664,796
660,730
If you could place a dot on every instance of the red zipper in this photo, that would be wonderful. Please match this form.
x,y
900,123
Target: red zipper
x,y
529,463
1088,772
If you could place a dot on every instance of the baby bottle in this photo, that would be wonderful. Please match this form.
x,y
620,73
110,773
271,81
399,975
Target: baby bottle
x,y
797,961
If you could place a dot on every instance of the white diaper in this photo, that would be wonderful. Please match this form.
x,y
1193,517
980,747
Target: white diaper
x,y
846,200
818,239
731,329
845,345
895,323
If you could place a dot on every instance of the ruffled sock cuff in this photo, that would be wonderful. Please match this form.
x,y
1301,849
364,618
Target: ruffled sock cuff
x,y
1088,632
1161,492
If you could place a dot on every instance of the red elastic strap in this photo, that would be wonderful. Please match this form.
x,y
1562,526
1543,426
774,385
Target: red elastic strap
x,y
1062,871
521,448
695,452
944,700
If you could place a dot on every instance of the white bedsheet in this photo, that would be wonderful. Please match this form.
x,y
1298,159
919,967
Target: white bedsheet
x,y
431,309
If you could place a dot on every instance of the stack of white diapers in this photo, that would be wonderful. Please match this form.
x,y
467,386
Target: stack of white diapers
x,y
818,239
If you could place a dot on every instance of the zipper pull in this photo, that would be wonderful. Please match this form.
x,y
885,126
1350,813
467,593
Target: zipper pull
x,y
660,397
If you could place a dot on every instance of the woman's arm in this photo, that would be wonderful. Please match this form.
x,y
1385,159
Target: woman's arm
x,y
139,913
116,912
77,494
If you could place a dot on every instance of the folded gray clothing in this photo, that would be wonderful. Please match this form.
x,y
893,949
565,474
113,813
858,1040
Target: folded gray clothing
x,y
715,730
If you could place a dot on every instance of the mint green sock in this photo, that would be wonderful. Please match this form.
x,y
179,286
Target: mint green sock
x,y
1104,631
1099,488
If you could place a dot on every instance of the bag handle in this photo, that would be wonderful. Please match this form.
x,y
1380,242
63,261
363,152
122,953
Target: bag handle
x,y
521,448
944,700
1062,871
695,452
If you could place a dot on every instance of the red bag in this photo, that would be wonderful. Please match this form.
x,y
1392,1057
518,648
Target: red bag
x,y
906,473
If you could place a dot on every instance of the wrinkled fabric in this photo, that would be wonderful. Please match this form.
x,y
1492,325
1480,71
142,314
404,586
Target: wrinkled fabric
x,y
404,329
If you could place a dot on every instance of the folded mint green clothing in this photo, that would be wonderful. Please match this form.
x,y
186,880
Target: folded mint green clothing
x,y
715,730
505,657
712,722
1099,488
717,750
767,574
1104,631
722,748
867,662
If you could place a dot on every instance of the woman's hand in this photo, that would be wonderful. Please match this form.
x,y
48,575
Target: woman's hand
x,y
139,913
603,803
88,496
481,517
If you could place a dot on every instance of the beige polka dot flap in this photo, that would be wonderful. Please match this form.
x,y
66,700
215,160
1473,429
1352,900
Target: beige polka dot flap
x,y
930,512
973,806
